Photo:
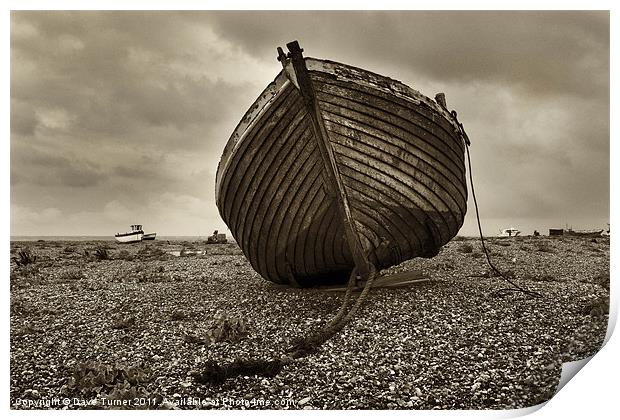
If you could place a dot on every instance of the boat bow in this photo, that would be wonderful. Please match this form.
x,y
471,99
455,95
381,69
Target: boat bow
x,y
334,168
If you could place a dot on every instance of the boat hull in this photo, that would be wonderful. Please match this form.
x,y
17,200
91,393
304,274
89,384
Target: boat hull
x,y
149,236
129,238
399,156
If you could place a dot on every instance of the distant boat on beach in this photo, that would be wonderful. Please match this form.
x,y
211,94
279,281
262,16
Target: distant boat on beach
x,y
135,235
217,238
510,232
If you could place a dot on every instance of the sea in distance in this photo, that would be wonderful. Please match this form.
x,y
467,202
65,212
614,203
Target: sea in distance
x,y
98,238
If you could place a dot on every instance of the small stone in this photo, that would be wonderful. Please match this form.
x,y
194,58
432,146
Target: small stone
x,y
303,401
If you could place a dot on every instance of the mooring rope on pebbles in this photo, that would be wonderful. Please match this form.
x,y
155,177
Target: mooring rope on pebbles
x,y
302,347
215,373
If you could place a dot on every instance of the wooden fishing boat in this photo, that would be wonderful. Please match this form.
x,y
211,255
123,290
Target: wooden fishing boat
x,y
334,168
135,235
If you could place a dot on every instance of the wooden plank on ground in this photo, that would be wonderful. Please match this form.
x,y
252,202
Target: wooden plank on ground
x,y
391,281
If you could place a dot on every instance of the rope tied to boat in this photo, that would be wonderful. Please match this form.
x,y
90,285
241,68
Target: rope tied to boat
x,y
506,290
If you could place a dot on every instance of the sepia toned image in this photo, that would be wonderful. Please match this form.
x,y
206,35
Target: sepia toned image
x,y
306,210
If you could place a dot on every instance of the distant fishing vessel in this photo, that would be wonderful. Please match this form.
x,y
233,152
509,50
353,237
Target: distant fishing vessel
x,y
135,235
334,170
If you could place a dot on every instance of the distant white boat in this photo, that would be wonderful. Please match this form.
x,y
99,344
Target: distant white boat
x,y
510,232
135,235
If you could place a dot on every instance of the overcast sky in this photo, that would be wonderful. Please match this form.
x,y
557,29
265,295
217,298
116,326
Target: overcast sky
x,y
121,117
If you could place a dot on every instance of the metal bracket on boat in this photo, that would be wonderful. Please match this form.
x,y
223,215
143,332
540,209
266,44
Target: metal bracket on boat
x,y
461,129
295,67
440,98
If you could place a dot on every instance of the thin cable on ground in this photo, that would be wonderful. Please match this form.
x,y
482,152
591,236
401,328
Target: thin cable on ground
x,y
504,291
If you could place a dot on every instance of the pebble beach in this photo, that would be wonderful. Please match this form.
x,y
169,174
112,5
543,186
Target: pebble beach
x,y
95,324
